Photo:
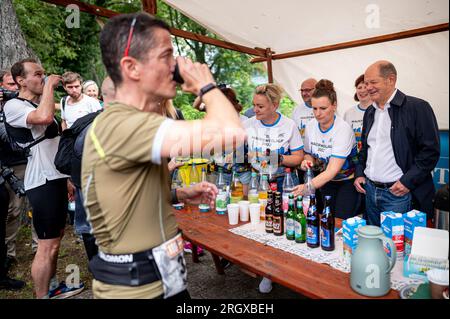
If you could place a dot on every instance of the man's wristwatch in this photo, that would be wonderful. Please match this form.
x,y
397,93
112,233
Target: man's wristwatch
x,y
206,89
174,198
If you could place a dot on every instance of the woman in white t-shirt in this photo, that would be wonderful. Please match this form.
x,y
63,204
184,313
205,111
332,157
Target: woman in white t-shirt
x,y
354,116
274,141
330,147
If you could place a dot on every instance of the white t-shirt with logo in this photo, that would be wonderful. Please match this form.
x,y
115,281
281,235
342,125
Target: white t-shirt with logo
x,y
40,166
354,117
281,137
338,141
72,112
301,115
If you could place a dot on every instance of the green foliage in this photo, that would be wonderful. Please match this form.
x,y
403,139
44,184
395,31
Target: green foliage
x,y
58,47
287,106
229,67
61,49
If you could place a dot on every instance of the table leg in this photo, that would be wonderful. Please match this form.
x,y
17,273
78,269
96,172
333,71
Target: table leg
x,y
219,267
194,254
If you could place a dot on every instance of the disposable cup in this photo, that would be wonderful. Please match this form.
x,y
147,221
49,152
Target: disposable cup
x,y
255,213
233,214
243,210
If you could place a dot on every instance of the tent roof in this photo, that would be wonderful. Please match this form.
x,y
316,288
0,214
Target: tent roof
x,y
290,25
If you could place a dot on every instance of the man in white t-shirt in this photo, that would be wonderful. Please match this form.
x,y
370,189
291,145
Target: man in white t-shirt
x,y
76,104
303,113
30,117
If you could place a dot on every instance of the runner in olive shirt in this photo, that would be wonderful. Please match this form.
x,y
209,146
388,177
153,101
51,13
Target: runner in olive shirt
x,y
124,167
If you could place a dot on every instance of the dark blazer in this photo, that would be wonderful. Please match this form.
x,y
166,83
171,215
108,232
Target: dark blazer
x,y
415,141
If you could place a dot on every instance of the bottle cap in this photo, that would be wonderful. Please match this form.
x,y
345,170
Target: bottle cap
x,y
411,214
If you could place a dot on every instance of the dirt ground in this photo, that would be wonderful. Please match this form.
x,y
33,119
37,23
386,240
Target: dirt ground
x,y
203,280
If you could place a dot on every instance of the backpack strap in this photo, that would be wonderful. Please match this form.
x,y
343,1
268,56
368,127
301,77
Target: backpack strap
x,y
46,135
63,102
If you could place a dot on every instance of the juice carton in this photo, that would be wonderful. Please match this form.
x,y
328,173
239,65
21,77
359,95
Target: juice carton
x,y
393,228
350,236
412,220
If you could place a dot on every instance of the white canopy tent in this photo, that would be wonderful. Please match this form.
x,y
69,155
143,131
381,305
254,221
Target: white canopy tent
x,y
290,25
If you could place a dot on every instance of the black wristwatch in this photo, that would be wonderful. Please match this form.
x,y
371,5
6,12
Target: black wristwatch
x,y
206,89
174,198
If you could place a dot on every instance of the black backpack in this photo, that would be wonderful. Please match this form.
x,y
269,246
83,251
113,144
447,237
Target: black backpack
x,y
21,135
64,155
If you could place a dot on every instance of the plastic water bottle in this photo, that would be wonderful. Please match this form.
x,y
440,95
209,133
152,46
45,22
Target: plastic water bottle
x,y
193,176
262,195
288,187
310,190
177,183
203,206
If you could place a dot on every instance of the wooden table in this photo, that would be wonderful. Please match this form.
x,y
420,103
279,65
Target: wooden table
x,y
306,277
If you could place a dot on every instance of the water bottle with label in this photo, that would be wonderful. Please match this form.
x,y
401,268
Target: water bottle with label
x,y
222,196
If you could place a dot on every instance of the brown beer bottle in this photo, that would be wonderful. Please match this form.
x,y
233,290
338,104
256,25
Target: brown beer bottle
x,y
278,216
327,226
269,212
312,224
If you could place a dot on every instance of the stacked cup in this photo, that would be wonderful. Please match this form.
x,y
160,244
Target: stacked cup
x,y
243,210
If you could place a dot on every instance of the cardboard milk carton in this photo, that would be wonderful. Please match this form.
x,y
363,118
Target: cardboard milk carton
x,y
412,220
350,236
393,228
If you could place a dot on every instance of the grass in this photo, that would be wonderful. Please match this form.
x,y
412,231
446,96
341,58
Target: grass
x,y
71,253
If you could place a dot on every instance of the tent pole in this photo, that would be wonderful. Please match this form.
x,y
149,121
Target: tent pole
x,y
149,6
357,43
269,64
106,13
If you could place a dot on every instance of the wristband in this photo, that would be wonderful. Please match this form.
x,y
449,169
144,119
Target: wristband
x,y
206,89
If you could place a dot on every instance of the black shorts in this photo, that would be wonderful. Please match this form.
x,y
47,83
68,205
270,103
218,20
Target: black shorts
x,y
49,204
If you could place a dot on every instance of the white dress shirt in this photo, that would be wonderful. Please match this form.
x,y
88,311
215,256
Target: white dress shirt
x,y
381,165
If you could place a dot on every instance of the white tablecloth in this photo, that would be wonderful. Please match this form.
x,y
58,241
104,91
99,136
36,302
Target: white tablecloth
x,y
334,258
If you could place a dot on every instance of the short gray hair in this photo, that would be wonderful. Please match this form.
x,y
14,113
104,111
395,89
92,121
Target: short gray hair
x,y
387,69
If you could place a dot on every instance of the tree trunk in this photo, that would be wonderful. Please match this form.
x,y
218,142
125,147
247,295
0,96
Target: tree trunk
x,y
13,46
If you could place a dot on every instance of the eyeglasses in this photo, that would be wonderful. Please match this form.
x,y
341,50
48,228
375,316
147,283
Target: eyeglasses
x,y
130,36
306,90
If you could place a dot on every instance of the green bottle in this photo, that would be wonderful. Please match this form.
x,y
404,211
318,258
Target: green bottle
x,y
290,219
300,222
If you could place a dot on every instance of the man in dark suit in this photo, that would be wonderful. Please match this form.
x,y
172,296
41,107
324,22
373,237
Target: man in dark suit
x,y
400,148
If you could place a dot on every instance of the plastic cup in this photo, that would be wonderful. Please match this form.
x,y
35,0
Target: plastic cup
x,y
233,214
243,210
255,213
